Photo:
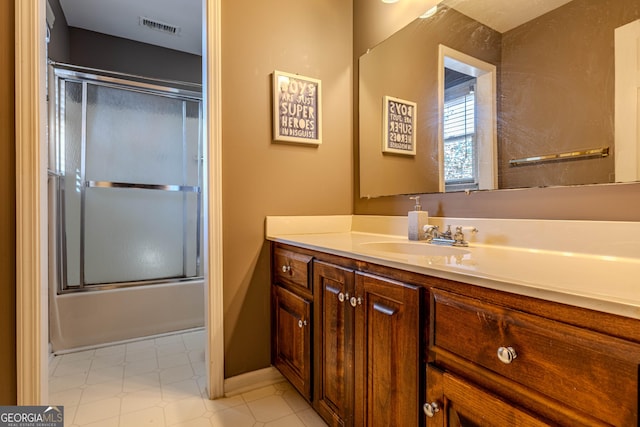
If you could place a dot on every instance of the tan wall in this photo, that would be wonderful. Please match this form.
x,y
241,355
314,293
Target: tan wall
x,y
375,21
7,208
264,178
571,107
617,202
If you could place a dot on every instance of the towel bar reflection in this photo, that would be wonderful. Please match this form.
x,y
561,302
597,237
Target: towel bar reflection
x,y
569,155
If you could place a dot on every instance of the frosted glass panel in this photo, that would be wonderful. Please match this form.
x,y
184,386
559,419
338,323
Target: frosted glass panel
x,y
193,176
134,137
193,233
133,235
70,167
193,151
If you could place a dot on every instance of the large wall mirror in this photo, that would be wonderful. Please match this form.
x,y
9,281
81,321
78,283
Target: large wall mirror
x,y
508,94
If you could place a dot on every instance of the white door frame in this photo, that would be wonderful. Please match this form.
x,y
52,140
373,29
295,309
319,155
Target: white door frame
x,y
627,98
31,201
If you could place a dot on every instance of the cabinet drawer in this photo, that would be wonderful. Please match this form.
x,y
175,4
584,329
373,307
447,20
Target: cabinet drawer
x,y
292,268
589,371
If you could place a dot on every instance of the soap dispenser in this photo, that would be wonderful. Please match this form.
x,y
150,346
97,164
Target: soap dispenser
x,y
417,220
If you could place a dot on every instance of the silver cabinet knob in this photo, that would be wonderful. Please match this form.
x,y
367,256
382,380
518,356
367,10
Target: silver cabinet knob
x,y
355,301
341,297
286,268
430,409
302,323
507,354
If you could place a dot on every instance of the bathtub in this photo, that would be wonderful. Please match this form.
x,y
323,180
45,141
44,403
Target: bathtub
x,y
94,318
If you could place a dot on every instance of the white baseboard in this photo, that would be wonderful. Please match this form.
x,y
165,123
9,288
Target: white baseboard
x,y
251,381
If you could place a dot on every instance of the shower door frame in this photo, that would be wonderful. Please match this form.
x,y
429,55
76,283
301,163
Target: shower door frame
x,y
31,202
60,74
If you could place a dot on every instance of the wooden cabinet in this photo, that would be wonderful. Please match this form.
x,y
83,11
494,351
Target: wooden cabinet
x,y
563,373
453,402
367,349
291,305
357,340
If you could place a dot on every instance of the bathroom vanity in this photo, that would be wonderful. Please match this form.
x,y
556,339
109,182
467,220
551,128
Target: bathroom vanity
x,y
378,331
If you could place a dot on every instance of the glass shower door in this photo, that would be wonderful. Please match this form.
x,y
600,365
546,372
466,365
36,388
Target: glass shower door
x,y
131,173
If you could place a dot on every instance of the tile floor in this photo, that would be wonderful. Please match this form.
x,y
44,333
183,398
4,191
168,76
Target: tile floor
x,y
160,382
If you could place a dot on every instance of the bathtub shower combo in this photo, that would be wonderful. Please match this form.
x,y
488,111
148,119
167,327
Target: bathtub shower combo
x,y
125,207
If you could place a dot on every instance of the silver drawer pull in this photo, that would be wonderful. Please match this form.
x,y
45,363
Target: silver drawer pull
x,y
507,354
302,323
430,409
286,268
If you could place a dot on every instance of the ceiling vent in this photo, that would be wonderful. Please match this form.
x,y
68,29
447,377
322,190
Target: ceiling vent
x,y
159,26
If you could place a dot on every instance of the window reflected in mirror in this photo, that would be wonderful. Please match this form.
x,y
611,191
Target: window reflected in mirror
x,y
468,122
459,127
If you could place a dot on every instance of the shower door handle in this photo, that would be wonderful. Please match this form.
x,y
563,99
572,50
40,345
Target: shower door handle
x,y
175,188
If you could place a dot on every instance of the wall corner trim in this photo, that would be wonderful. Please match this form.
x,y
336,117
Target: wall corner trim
x,y
212,90
31,342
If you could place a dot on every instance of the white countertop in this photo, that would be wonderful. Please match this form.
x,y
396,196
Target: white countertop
x,y
603,282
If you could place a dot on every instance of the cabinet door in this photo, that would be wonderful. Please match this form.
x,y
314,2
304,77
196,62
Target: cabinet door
x,y
453,402
333,353
292,338
387,358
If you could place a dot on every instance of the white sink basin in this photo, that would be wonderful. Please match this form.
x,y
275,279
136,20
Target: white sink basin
x,y
414,248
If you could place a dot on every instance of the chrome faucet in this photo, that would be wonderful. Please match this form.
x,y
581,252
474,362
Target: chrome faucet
x,y
437,237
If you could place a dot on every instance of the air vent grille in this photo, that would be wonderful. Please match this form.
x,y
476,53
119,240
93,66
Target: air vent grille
x,y
159,26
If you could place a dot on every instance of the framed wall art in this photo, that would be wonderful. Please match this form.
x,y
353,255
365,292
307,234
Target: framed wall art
x,y
297,106
398,126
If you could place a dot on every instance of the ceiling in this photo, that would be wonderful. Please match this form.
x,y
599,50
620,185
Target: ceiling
x,y
504,15
121,18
